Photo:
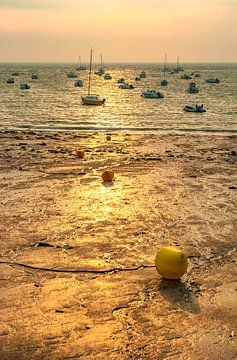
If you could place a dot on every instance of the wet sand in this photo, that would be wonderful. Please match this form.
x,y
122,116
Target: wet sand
x,y
59,219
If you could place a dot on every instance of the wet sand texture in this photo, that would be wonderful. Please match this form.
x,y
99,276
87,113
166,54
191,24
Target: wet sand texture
x,y
58,218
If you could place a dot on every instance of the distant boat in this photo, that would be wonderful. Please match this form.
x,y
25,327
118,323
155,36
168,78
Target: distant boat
x,y
24,86
193,88
126,86
212,81
121,81
164,82
107,77
152,94
91,99
137,78
71,75
143,75
101,69
196,108
78,83
79,65
178,68
10,81
15,74
186,77
34,76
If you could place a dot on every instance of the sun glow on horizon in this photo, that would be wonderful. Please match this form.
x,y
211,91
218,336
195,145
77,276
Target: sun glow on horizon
x,y
123,31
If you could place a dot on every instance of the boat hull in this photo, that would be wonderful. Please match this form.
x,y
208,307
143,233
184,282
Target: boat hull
x,y
193,109
152,95
96,101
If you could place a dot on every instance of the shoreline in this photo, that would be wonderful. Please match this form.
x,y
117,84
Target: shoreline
x,y
57,214
158,131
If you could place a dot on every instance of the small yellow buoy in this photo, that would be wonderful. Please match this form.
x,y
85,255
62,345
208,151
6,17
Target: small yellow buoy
x,y
108,137
80,153
171,262
108,175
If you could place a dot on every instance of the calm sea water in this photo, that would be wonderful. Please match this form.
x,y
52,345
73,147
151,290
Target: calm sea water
x,y
54,103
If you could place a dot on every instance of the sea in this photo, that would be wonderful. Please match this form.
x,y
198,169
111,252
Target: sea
x,y
53,103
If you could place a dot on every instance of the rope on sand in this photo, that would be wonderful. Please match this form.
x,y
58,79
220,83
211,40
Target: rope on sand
x,y
77,271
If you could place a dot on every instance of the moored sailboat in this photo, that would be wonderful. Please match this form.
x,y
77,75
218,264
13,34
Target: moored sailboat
x,y
101,70
79,65
91,99
164,82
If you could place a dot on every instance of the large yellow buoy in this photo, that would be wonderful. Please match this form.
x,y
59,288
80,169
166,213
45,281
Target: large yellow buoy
x,y
171,262
108,175
80,153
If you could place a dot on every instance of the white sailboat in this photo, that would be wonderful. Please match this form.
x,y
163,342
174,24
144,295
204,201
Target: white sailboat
x,y
91,99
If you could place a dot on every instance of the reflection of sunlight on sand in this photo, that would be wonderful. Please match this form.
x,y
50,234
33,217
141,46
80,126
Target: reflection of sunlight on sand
x,y
128,199
95,202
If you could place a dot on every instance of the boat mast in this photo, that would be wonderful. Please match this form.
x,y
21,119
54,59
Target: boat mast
x,y
101,63
89,85
165,65
178,62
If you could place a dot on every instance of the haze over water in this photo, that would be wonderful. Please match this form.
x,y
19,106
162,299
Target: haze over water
x,y
54,103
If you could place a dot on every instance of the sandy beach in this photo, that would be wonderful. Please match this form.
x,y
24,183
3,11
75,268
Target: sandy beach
x,y
77,255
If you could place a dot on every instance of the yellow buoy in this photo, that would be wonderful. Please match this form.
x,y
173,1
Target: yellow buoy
x,y
108,175
80,153
108,137
171,262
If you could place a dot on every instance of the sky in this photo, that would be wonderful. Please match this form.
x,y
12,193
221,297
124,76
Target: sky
x,y
122,30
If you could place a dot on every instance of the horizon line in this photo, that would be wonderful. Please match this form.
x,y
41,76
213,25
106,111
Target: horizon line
x,y
113,62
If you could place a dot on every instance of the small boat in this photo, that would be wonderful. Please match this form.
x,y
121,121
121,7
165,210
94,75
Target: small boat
x,y
152,94
193,89
79,65
178,68
164,82
212,81
101,71
197,75
24,86
126,86
10,81
137,78
71,75
15,74
143,75
91,99
186,77
121,81
78,83
196,108
107,77
34,76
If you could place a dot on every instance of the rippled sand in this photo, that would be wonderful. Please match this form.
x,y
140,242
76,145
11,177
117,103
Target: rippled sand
x,y
58,218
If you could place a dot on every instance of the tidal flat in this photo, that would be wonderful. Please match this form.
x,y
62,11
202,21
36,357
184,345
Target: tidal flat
x,y
77,254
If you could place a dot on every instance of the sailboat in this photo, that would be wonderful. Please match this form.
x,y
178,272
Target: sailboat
x,y
91,99
164,82
79,65
178,68
101,70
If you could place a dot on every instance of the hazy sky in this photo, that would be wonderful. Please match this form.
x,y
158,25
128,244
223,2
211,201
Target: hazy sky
x,y
122,30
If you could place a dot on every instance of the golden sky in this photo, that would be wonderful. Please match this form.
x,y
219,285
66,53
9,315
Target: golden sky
x,y
122,30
